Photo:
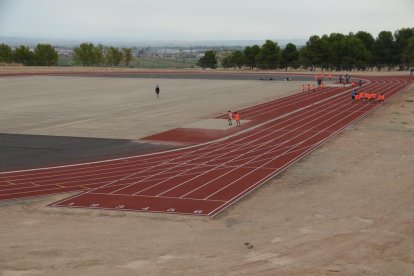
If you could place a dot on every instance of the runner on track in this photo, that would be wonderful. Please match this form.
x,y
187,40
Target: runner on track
x,y
367,96
237,117
357,97
373,96
353,95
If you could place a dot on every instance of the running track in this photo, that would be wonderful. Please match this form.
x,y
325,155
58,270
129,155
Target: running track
x,y
206,178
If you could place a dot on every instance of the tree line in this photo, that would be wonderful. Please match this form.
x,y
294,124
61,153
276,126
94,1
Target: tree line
x,y
336,51
87,54
41,55
329,52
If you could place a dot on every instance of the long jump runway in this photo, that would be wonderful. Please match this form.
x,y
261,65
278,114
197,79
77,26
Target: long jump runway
x,y
206,178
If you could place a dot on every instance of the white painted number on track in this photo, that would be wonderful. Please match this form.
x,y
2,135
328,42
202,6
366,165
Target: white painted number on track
x,y
70,204
120,206
94,205
145,208
198,211
171,210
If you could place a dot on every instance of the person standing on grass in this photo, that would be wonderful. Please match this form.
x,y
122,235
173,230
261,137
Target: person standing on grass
x,y
229,118
157,91
237,117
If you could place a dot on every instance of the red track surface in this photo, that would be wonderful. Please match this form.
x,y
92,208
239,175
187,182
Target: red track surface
x,y
205,179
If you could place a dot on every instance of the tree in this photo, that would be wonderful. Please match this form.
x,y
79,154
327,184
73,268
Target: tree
x,y
408,53
402,37
333,51
5,53
250,54
127,55
113,56
310,54
45,55
237,59
368,41
88,54
354,53
209,60
384,50
23,55
98,54
289,56
226,62
269,55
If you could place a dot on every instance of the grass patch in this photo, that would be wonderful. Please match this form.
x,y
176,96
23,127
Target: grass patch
x,y
396,113
404,123
409,101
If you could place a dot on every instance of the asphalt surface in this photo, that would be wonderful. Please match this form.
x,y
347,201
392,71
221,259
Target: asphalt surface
x,y
19,151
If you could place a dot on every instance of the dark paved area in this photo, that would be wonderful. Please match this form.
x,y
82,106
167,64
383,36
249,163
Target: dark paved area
x,y
19,151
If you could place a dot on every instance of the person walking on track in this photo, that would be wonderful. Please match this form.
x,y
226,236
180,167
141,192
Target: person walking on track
x,y
230,118
237,117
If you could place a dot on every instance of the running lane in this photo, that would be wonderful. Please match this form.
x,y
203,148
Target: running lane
x,y
207,178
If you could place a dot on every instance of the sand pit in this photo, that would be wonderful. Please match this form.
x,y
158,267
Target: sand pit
x,y
346,209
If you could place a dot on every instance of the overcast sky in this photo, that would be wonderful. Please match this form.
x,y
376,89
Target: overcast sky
x,y
190,20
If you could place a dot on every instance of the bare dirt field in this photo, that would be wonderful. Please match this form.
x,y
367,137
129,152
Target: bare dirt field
x,y
345,209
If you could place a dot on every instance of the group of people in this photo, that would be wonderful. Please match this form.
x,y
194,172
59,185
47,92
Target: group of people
x,y
312,88
236,117
344,79
367,96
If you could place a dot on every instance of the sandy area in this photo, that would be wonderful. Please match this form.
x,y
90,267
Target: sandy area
x,y
124,108
346,209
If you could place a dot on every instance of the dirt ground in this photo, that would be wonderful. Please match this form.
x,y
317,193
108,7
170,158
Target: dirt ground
x,y
345,209
124,108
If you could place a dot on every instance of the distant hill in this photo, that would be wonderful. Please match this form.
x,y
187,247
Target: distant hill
x,y
16,41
